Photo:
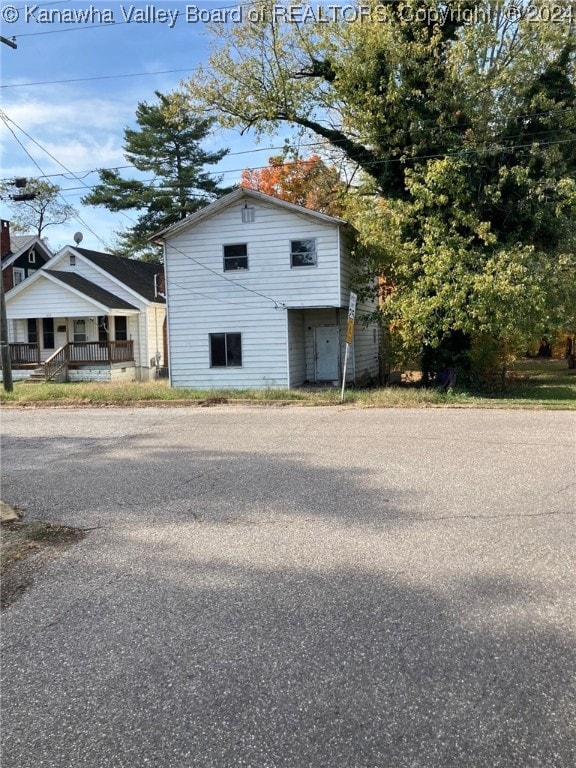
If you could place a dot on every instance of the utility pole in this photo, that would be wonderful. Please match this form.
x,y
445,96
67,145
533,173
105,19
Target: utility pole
x,y
4,348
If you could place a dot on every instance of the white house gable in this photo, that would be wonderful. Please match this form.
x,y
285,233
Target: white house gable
x,y
45,298
79,265
291,258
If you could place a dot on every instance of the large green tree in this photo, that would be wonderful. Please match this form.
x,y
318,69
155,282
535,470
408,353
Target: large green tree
x,y
461,117
166,149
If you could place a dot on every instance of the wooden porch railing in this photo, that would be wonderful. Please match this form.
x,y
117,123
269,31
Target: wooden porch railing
x,y
101,351
56,363
72,353
88,353
24,354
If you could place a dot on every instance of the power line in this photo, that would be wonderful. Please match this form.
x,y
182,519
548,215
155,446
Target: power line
x,y
6,121
324,143
99,77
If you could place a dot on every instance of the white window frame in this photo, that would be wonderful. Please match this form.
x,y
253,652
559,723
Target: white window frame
x,y
18,275
224,257
76,334
292,253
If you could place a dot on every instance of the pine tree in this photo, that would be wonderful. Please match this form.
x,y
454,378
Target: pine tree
x,y
166,149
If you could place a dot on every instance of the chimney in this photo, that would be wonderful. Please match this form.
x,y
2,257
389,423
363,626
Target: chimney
x,y
5,238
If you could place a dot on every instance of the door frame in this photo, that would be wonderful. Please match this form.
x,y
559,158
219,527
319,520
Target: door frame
x,y
338,376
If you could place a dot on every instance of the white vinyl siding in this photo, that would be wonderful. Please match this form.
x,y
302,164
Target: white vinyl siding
x,y
296,347
263,332
45,298
155,318
345,267
198,250
274,306
366,345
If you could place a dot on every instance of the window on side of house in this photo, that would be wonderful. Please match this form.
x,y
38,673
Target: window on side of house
x,y
235,257
225,350
121,328
32,331
48,332
303,253
32,256
18,275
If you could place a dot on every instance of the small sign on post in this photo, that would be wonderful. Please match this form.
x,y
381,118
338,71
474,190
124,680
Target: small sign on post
x,y
349,339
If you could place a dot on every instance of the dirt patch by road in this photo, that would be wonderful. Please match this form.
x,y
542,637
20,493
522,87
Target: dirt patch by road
x,y
25,547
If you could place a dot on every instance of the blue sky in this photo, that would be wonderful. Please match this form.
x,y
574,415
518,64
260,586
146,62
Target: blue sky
x,y
79,125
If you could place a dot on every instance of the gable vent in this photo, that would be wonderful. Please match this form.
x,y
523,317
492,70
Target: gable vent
x,y
248,214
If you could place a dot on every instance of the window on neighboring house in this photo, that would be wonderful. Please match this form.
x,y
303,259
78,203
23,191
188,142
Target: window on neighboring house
x,y
102,329
18,275
80,333
225,350
72,260
303,253
32,256
48,332
121,328
32,331
235,257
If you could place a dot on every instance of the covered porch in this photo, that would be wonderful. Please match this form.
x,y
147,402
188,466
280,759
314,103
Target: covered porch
x,y
73,348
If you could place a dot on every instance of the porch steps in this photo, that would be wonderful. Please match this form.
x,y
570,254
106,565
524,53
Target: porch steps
x,y
38,376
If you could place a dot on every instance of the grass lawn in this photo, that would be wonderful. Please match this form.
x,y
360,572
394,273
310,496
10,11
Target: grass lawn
x,y
531,384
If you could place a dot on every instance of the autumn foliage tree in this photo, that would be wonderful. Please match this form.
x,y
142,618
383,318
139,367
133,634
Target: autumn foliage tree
x,y
306,181
461,120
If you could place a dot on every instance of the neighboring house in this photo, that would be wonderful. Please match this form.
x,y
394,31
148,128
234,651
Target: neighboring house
x,y
22,255
88,316
257,292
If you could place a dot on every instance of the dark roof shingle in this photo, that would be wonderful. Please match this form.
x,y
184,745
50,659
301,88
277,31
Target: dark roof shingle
x,y
138,275
89,289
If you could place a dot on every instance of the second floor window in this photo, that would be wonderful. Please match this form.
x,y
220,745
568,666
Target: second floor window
x,y
235,257
303,253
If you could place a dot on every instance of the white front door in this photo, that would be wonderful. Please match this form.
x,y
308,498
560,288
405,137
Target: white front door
x,y
327,341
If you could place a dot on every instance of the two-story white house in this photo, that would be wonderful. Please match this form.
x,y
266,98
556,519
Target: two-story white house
x,y
258,291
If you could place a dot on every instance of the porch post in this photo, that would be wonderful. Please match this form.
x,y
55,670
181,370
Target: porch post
x,y
38,337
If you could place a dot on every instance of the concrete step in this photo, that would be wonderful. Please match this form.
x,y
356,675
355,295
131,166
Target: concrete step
x,y
36,377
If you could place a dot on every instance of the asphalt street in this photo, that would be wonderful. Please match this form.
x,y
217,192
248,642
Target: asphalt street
x,y
294,588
